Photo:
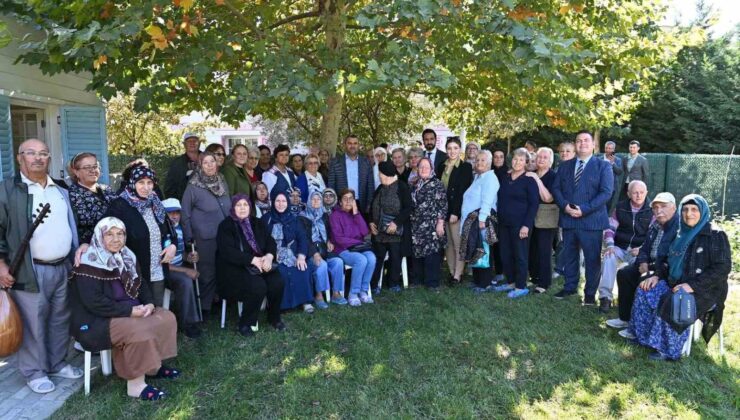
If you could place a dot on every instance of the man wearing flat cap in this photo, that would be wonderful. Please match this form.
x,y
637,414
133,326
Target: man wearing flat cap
x,y
182,167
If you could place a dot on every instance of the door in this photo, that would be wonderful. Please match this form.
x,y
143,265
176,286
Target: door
x,y
83,130
6,139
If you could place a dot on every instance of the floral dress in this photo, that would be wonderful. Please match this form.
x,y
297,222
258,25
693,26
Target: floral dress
x,y
89,207
650,329
430,204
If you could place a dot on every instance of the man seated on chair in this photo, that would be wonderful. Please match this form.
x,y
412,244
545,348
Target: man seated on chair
x,y
628,227
182,275
653,252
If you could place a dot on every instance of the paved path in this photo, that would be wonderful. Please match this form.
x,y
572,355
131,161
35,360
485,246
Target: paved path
x,y
17,401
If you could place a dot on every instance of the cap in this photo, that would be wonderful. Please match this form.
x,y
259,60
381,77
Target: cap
x,y
188,135
171,204
664,197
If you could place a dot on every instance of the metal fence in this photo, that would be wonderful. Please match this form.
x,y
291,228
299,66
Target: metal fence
x,y
716,177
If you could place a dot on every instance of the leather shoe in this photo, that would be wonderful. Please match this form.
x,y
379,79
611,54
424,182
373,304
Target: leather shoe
x,y
604,305
246,331
589,300
280,326
193,331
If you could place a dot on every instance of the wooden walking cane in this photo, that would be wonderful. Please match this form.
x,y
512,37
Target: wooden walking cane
x,y
197,286
11,324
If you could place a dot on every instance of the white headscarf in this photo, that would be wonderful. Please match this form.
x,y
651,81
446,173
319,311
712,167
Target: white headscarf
x,y
99,257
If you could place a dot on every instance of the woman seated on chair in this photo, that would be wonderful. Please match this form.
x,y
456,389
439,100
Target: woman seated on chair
x,y
699,263
245,269
112,309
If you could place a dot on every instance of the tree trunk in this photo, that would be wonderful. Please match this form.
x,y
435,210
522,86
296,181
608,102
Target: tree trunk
x,y
332,15
597,140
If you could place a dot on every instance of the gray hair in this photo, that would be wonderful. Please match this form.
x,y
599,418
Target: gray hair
x,y
415,151
610,143
550,153
634,184
253,150
489,157
521,152
397,150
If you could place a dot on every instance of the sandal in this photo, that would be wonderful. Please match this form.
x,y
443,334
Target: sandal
x,y
166,373
41,385
151,393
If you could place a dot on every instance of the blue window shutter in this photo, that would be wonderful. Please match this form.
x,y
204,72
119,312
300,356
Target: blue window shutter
x,y
6,140
83,130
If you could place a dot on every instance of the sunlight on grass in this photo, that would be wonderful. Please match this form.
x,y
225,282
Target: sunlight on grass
x,y
503,351
321,365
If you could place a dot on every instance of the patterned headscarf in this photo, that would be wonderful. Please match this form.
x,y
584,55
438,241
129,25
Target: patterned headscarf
x,y
686,235
265,205
245,224
124,260
141,203
316,216
333,194
213,183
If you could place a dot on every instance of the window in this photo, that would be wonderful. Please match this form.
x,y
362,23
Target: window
x,y
232,141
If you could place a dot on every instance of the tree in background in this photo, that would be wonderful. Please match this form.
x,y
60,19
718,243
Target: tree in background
x,y
139,133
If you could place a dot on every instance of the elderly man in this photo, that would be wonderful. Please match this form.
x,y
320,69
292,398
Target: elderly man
x,y
654,251
628,227
39,286
182,167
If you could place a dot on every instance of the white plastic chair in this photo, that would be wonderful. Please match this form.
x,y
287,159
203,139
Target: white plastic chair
x,y
105,364
166,298
695,334
239,306
404,273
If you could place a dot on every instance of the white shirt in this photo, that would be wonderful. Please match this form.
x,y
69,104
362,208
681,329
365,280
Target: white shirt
x,y
431,156
53,238
315,183
270,179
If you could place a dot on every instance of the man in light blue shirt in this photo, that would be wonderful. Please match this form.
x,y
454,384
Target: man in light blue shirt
x,y
352,171
353,174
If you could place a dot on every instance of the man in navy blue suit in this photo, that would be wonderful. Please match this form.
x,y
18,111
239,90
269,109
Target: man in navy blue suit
x,y
581,189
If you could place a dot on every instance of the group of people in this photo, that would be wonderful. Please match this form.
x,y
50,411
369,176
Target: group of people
x,y
263,225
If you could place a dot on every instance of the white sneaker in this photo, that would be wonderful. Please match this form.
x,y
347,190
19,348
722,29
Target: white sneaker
x,y
625,333
555,275
617,323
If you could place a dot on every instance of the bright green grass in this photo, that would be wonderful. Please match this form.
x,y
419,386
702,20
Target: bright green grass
x,y
421,354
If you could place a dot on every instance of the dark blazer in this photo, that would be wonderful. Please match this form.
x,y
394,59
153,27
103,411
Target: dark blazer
x,y
439,159
338,179
592,193
639,170
460,179
137,235
92,303
670,229
234,256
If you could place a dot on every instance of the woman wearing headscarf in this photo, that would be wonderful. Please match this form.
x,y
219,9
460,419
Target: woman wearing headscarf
x,y
322,261
149,234
205,203
699,262
500,168
428,224
234,171
261,199
112,308
310,180
245,268
88,198
389,211
471,151
329,198
456,176
292,249
540,249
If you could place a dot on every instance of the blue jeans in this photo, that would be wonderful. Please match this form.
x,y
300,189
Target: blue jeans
x,y
363,265
332,268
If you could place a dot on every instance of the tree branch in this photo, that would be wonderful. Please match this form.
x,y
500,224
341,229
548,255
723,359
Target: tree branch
x,y
293,18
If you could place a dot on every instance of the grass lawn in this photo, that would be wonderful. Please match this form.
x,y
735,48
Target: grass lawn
x,y
421,354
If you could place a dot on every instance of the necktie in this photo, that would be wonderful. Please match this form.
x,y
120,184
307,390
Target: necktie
x,y
579,171
429,155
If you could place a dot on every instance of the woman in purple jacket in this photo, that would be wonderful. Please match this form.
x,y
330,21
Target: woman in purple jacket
x,y
348,230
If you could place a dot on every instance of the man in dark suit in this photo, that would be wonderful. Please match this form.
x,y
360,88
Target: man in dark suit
x,y
350,170
429,139
581,189
635,168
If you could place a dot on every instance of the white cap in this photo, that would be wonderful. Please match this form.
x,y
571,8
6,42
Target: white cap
x,y
664,197
171,204
188,135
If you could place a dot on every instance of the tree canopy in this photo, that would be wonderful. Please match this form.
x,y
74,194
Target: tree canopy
x,y
553,62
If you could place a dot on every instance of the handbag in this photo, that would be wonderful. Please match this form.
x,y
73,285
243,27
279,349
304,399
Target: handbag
x,y
256,271
385,220
683,309
547,216
484,261
363,247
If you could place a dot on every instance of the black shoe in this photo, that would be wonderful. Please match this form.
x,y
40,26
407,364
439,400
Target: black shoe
x,y
589,301
280,326
563,294
193,331
246,331
604,305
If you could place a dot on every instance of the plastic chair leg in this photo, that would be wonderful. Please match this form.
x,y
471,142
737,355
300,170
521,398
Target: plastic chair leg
x,y
223,313
88,363
106,363
166,298
405,273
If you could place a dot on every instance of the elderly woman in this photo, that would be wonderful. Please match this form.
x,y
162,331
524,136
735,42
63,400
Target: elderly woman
x,y
480,197
519,198
88,198
456,176
262,203
311,180
205,203
292,249
112,308
219,153
149,235
234,173
398,157
427,224
471,151
322,261
380,155
253,159
246,273
699,262
329,198
389,210
348,231
540,249
415,154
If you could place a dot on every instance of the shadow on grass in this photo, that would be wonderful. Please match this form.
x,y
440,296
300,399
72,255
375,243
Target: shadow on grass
x,y
421,354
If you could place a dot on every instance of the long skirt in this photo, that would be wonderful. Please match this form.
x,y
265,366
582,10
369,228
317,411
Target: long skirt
x,y
140,344
650,329
297,287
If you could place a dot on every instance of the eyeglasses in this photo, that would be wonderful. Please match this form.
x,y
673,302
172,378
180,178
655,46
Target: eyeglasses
x,y
32,153
219,154
311,162
89,168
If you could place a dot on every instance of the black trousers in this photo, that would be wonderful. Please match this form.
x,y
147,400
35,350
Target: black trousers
x,y
428,269
540,256
254,291
482,277
495,258
394,259
628,278
514,255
